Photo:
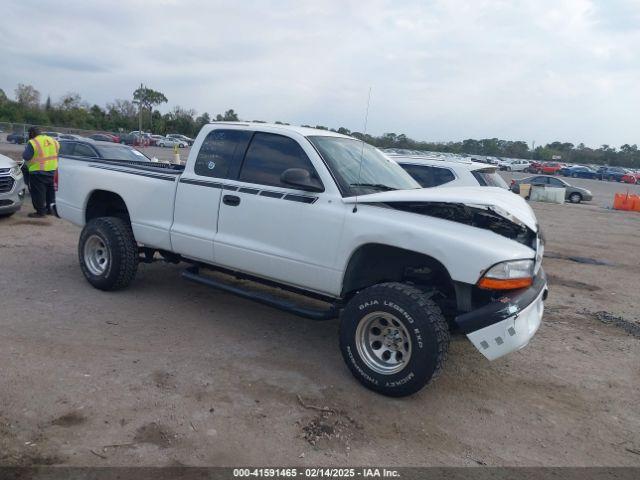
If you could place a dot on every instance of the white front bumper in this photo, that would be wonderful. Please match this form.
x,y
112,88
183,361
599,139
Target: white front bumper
x,y
510,334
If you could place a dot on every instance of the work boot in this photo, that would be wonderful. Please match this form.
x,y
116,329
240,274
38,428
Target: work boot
x,y
36,215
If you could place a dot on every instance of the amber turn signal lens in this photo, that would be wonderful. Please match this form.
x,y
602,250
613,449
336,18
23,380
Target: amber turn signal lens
x,y
506,284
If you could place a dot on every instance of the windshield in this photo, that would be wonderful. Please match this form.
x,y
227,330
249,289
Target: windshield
x,y
121,153
488,177
360,168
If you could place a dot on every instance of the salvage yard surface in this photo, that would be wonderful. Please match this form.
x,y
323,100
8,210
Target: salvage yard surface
x,y
172,373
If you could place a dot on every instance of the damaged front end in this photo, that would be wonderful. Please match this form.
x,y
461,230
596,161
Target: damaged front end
x,y
485,217
503,310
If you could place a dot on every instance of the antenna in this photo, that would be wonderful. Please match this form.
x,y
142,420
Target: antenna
x,y
366,119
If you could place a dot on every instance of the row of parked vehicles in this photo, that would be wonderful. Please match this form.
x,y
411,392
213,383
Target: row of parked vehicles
x,y
617,174
134,138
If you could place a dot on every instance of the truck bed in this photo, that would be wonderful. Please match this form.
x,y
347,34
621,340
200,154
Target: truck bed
x,y
148,189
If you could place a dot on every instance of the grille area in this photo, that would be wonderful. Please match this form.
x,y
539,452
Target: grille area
x,y
6,184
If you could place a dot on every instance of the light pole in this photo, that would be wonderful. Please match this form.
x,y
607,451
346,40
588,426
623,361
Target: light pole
x,y
139,103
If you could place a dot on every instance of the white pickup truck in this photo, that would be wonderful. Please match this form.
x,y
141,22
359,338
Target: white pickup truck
x,y
315,214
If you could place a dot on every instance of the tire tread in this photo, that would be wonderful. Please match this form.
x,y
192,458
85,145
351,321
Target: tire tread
x,y
430,313
124,245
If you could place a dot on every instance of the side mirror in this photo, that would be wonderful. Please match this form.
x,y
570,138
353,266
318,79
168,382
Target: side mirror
x,y
301,178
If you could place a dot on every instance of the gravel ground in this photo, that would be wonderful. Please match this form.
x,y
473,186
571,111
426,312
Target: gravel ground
x,y
172,373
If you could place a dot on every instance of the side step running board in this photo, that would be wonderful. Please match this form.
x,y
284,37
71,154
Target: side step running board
x,y
192,275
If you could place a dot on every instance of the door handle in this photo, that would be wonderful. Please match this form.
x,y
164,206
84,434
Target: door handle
x,y
231,200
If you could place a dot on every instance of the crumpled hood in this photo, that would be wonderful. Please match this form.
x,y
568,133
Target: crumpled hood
x,y
501,201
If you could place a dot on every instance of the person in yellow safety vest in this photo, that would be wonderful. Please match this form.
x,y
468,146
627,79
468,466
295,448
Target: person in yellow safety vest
x,y
41,157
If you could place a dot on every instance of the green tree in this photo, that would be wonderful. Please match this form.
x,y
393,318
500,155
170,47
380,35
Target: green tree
x,y
146,99
229,116
70,101
27,96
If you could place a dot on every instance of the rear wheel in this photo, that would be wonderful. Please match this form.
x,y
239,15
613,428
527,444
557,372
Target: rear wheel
x,y
394,339
575,198
108,253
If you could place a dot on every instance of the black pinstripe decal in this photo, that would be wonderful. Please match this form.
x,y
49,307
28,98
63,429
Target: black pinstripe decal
x,y
136,172
254,191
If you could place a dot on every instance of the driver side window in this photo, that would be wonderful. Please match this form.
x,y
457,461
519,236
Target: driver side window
x,y
269,155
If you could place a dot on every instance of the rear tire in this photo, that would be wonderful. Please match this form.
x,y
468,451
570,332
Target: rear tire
x,y
394,339
108,253
575,198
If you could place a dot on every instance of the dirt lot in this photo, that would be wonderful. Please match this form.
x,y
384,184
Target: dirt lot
x,y
171,373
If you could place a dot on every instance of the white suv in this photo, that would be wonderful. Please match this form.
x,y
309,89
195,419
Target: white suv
x,y
434,172
514,164
12,187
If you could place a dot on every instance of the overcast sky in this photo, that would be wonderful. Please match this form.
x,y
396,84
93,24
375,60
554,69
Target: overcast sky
x,y
528,70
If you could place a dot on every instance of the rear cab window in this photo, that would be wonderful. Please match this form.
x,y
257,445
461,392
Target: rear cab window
x,y
218,152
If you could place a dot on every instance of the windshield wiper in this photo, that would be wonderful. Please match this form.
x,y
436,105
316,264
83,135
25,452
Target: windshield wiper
x,y
379,186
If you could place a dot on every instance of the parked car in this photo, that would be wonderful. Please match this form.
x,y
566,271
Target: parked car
x,y
134,140
515,165
572,193
550,168
534,167
70,136
155,139
331,218
12,187
631,177
87,148
612,173
578,171
184,138
172,142
17,137
54,135
103,137
430,172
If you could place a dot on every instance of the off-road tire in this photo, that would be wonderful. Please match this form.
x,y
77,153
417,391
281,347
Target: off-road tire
x,y
423,322
117,237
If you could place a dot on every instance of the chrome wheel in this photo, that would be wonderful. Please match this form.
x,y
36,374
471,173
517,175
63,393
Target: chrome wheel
x,y
96,255
383,343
